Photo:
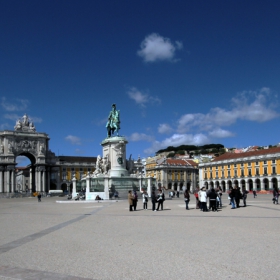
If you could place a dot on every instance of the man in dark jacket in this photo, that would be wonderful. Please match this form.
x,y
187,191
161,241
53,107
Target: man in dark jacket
x,y
212,199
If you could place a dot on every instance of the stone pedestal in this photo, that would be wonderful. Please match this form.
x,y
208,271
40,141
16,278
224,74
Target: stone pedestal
x,y
114,148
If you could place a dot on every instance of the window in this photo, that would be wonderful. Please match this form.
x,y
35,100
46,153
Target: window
x,y
249,163
265,162
63,169
228,173
89,169
223,174
217,174
235,165
242,164
81,169
273,161
72,169
205,169
216,167
235,173
228,166
211,168
265,170
249,172
257,163
274,170
242,173
257,171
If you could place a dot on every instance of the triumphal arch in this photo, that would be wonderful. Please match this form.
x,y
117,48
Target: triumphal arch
x,y
26,141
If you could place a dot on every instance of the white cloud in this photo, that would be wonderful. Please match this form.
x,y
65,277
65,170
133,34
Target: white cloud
x,y
220,133
134,137
177,140
164,128
15,117
12,117
4,126
18,105
250,106
155,48
142,98
74,140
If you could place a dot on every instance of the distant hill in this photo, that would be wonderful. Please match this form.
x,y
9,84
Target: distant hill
x,y
205,149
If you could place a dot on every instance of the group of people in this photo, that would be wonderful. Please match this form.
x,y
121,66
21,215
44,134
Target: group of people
x,y
214,196
158,198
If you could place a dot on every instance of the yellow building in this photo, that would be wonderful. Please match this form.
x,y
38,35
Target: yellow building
x,y
172,173
255,170
70,166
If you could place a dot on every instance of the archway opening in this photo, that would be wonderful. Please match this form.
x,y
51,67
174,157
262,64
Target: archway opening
x,y
24,173
266,184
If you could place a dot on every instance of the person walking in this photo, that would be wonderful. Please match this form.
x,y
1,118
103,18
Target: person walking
x,y
135,200
145,200
244,196
196,199
160,199
203,199
254,193
154,200
130,200
231,195
212,200
220,195
275,195
238,195
39,197
187,198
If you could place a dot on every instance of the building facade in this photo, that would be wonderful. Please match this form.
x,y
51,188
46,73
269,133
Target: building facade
x,y
172,173
254,170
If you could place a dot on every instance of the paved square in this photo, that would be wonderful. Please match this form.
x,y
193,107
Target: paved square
x,y
51,240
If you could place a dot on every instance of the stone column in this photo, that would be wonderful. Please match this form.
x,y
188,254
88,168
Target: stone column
x,y
7,175
246,186
12,181
44,181
254,186
87,183
30,180
1,179
74,191
149,187
106,187
262,185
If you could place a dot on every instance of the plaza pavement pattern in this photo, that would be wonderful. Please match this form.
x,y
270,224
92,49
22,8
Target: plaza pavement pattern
x,y
51,240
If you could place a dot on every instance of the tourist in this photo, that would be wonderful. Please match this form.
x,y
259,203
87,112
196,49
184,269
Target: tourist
x,y
212,200
160,199
116,194
130,200
220,196
231,194
145,200
39,197
237,197
154,201
244,196
199,201
275,195
98,197
196,199
254,193
187,198
203,199
135,200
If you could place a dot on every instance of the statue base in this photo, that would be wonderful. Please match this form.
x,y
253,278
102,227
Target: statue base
x,y
114,148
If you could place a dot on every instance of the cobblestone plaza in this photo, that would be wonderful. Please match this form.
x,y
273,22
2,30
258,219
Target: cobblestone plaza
x,y
89,240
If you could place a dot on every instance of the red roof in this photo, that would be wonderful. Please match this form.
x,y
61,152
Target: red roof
x,y
247,154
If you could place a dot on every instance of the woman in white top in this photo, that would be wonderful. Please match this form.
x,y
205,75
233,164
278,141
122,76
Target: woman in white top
x,y
145,200
203,199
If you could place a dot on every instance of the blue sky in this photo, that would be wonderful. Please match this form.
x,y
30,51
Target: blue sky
x,y
180,72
